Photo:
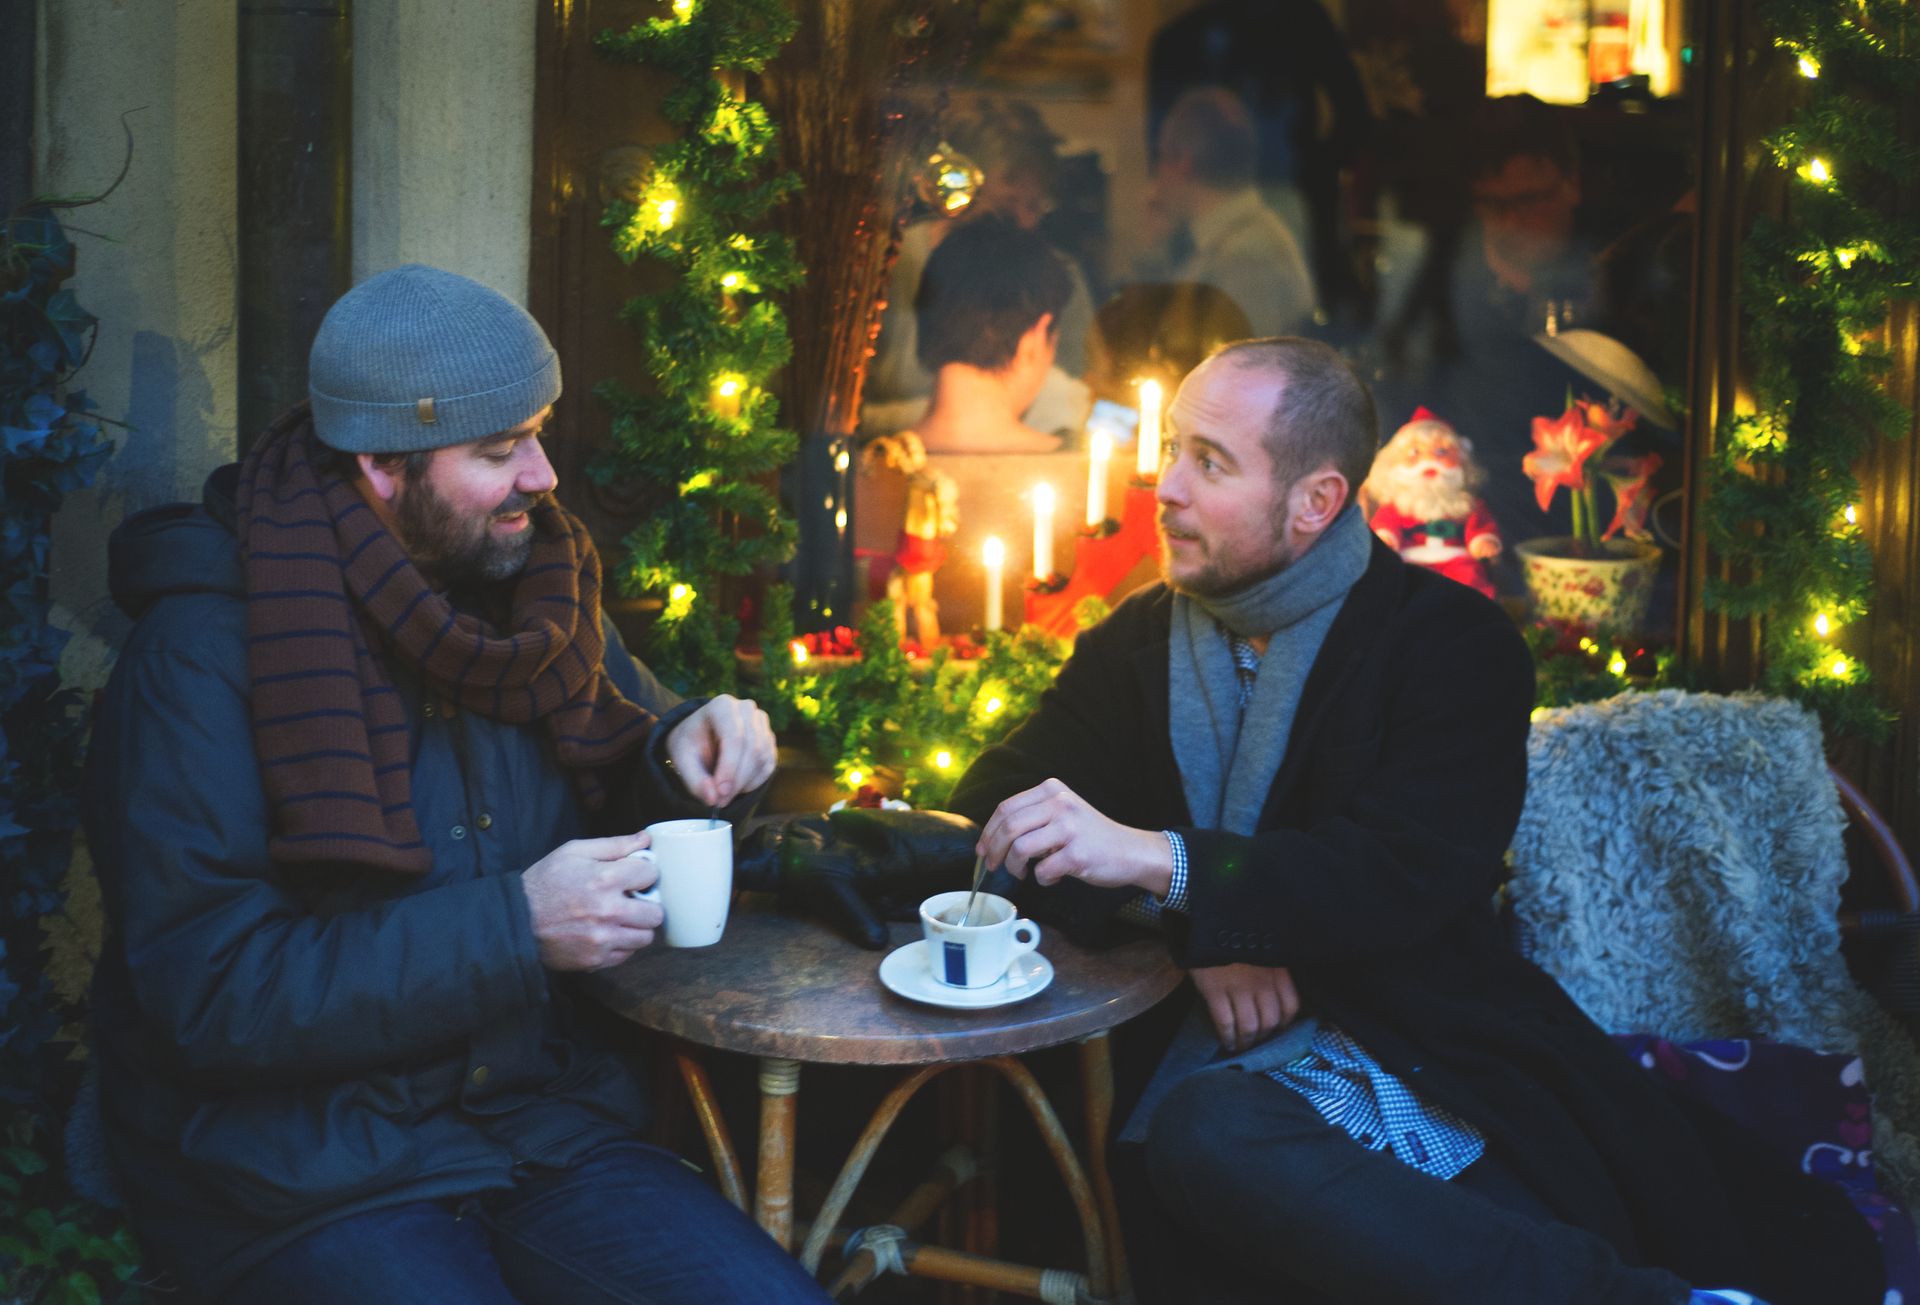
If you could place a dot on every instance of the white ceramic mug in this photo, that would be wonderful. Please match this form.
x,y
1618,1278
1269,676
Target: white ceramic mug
x,y
978,954
694,859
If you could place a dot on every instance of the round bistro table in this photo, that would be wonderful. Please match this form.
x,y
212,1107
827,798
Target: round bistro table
x,y
789,992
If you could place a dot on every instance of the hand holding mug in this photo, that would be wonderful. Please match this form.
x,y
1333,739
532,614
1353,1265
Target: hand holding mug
x,y
690,878
580,900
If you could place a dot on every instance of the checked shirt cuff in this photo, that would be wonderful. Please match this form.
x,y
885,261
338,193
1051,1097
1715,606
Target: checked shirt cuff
x,y
1146,908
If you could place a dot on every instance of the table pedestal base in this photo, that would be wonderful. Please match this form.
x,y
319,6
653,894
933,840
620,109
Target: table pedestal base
x,y
885,1247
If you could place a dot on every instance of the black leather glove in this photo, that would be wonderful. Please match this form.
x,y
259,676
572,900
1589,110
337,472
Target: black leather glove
x,y
858,867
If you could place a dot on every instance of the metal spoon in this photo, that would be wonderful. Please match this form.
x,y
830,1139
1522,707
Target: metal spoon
x,y
979,877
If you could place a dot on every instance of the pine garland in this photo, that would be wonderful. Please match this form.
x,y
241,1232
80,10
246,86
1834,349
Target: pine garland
x,y
927,718
1782,502
711,342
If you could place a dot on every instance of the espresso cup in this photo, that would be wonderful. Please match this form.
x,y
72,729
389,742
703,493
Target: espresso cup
x,y
974,955
694,859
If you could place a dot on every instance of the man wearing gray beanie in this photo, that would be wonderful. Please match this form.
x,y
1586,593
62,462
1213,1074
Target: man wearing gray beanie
x,y
363,790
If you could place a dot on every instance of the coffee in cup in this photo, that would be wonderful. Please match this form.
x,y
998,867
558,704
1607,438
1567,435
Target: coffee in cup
x,y
694,859
962,955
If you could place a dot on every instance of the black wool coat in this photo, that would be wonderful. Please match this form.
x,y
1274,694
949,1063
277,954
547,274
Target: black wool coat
x,y
1372,876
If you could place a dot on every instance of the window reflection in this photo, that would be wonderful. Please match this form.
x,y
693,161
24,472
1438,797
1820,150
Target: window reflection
x,y
1485,204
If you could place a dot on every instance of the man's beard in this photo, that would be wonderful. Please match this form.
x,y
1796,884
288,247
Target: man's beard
x,y
1212,579
453,550
1443,497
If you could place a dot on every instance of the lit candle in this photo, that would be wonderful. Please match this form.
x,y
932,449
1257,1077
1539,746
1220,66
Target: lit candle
x,y
994,554
1147,466
1097,479
1042,531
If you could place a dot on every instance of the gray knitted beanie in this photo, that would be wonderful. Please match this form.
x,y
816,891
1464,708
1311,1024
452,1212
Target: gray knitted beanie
x,y
418,358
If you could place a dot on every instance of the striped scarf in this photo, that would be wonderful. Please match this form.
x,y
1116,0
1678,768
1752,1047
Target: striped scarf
x,y
325,581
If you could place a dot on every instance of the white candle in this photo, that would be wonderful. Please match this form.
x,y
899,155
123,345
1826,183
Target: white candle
x,y
1147,464
1042,531
994,554
1097,479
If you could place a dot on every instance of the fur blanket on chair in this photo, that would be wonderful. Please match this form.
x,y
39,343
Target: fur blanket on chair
x,y
1678,868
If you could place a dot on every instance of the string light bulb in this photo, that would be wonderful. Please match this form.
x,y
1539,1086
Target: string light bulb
x,y
1840,668
1818,172
1809,66
943,760
1618,666
683,10
799,651
1822,626
856,777
1852,516
993,705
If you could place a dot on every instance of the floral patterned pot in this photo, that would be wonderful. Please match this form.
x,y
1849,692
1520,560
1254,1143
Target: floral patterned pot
x,y
1603,593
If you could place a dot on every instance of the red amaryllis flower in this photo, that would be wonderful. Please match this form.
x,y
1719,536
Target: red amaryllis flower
x,y
1561,447
1610,420
1632,481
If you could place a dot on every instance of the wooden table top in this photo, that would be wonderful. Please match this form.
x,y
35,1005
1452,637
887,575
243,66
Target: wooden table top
x,y
777,985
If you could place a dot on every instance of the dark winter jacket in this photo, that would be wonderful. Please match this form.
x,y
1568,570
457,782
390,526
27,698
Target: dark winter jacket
x,y
1372,876
280,1047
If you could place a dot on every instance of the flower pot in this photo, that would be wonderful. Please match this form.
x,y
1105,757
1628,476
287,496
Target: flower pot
x,y
1609,592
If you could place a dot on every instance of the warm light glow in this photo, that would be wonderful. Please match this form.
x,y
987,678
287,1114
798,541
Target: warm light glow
x,y
698,481
1809,66
1099,454
1853,518
1840,668
943,760
841,461
993,705
683,9
664,211
731,281
1822,626
1146,460
1817,172
840,519
799,651
679,602
727,389
1618,666
1042,531
855,778
994,554
679,593
742,243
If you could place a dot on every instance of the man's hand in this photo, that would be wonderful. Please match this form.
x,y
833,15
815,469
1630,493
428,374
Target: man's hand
x,y
723,750
1058,830
1247,1002
577,895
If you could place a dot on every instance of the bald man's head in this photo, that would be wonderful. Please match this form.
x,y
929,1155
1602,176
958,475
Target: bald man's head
x,y
1323,416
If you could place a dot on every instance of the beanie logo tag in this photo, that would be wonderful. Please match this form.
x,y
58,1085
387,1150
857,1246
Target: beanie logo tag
x,y
423,409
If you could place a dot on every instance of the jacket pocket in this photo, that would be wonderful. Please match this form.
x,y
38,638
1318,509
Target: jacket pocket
x,y
284,1156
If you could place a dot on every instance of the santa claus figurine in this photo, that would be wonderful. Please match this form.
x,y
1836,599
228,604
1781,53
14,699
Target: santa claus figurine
x,y
1421,501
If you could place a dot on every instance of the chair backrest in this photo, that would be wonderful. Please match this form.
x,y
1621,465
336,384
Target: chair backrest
x,y
1678,867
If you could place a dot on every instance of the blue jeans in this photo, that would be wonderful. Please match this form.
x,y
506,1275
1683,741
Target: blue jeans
x,y
626,1224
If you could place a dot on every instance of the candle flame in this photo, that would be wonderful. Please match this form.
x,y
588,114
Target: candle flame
x,y
993,552
1043,497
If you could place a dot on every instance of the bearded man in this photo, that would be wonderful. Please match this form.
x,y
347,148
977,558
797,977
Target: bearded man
x,y
363,793
1302,759
1423,505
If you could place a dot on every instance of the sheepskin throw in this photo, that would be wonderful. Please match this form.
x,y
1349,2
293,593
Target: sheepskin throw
x,y
1678,869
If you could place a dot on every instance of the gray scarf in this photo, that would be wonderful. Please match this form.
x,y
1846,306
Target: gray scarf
x,y
1227,764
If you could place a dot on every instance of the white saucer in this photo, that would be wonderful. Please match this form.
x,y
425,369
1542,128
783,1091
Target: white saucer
x,y
906,971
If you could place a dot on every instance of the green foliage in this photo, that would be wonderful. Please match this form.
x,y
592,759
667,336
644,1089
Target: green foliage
x,y
706,439
1813,287
52,1247
1571,664
886,709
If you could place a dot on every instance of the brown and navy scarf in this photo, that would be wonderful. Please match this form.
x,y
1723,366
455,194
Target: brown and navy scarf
x,y
327,583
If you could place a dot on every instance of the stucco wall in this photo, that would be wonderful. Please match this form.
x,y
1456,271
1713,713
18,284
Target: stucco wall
x,y
443,138
442,171
159,273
